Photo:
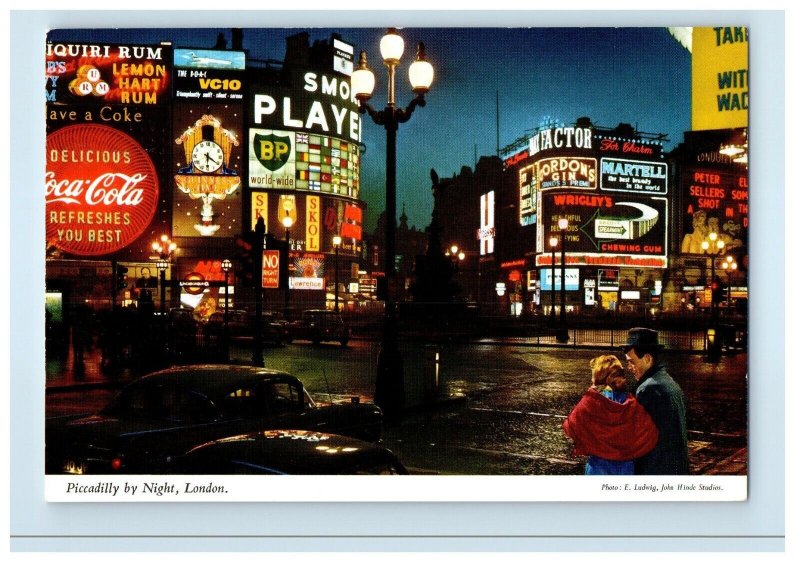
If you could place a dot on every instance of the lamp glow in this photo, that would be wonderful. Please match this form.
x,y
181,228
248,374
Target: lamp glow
x,y
420,73
362,82
392,47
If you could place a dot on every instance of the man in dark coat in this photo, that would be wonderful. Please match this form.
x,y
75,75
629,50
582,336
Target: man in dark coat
x,y
663,399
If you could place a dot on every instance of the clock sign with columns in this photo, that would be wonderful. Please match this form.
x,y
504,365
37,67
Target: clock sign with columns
x,y
207,175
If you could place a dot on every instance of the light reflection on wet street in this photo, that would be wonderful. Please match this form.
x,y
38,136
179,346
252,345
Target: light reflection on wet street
x,y
516,400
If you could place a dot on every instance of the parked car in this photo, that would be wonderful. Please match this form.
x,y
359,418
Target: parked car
x,y
318,326
238,324
169,412
286,451
275,328
183,328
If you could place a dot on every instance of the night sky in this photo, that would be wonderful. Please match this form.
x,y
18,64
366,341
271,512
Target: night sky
x,y
633,75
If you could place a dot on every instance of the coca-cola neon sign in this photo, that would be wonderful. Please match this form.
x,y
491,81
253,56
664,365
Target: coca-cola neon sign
x,y
101,189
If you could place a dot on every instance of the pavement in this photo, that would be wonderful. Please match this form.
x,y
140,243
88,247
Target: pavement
x,y
65,375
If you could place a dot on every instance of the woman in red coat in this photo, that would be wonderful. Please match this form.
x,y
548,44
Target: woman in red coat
x,y
608,424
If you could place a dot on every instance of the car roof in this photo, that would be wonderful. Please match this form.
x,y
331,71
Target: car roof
x,y
293,451
211,378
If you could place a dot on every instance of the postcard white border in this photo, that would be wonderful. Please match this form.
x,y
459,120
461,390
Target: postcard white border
x,y
394,488
757,524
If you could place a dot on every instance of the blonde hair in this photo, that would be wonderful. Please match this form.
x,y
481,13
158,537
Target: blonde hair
x,y
607,371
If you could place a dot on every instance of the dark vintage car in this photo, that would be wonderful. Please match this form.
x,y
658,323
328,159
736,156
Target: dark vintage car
x,y
241,324
286,451
238,324
275,328
169,412
318,326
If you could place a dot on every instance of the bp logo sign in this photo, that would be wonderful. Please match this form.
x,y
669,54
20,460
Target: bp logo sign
x,y
271,150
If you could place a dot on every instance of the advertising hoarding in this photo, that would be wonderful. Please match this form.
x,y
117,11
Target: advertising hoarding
x,y
287,160
309,102
572,279
207,152
566,172
306,271
486,233
633,176
716,201
108,74
528,190
101,189
720,77
608,229
207,197
316,219
107,127
608,279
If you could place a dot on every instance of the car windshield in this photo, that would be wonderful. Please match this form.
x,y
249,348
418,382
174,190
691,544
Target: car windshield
x,y
161,402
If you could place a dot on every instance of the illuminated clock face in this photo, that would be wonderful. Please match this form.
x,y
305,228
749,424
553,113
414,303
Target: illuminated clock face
x,y
207,156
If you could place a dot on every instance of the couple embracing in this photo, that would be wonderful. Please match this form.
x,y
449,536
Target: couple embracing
x,y
626,434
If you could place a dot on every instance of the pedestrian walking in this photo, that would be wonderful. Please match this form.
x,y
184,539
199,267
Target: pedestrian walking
x,y
664,401
608,424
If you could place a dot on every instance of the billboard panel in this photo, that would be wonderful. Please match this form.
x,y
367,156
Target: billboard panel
x,y
716,201
101,190
633,176
207,152
566,172
528,190
306,271
316,219
608,229
720,78
286,160
108,74
309,102
207,198
108,129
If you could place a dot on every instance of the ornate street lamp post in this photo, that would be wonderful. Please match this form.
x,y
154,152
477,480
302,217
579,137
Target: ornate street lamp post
x,y
226,267
337,241
164,249
553,244
287,224
389,385
714,246
729,265
563,334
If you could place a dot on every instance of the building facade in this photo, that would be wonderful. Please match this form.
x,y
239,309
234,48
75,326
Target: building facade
x,y
194,145
632,239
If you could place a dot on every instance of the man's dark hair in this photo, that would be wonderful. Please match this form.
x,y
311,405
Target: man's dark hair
x,y
643,349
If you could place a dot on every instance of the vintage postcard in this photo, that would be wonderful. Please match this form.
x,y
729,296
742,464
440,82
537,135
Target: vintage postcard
x,y
427,264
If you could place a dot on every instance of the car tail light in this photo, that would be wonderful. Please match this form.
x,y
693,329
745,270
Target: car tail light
x,y
116,463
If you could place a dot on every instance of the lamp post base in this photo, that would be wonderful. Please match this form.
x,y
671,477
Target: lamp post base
x,y
562,335
389,384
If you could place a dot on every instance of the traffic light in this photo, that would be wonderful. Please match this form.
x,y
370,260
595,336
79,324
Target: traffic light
x,y
243,262
122,277
382,288
717,291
